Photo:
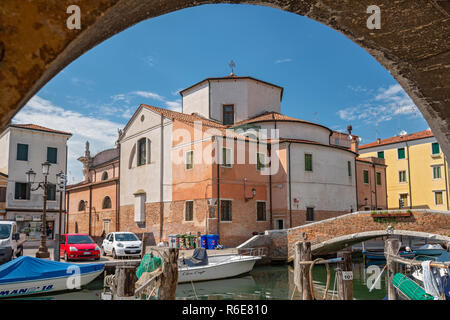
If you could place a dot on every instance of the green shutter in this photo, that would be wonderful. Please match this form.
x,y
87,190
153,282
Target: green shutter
x,y
349,168
366,176
378,178
52,155
380,154
22,152
435,148
401,153
308,162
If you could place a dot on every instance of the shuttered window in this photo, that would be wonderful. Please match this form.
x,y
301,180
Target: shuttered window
x,y
435,149
379,178
22,152
225,210
366,176
308,162
349,168
142,152
309,214
380,154
437,174
260,161
52,155
22,191
228,114
402,176
189,212
261,211
401,153
51,192
189,160
2,194
226,157
438,198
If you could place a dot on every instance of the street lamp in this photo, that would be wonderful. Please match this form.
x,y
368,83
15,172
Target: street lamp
x,y
31,175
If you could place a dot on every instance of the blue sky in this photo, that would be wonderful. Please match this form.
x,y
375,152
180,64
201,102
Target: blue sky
x,y
326,77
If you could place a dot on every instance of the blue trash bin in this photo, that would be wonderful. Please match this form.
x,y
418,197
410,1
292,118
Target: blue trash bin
x,y
204,241
213,240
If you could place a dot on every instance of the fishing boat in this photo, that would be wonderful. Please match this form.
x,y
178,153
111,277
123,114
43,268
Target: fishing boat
x,y
200,267
27,275
373,255
429,250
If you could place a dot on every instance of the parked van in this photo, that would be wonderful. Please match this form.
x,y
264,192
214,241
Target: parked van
x,y
10,244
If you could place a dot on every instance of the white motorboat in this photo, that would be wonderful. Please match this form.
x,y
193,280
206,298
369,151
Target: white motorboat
x,y
201,267
429,249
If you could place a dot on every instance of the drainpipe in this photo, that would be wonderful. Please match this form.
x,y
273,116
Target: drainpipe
x,y
409,177
375,184
90,209
356,185
290,193
218,189
161,187
118,194
270,184
446,181
66,229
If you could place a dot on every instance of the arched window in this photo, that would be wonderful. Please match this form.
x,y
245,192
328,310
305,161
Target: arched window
x,y
141,151
81,205
107,204
132,153
105,176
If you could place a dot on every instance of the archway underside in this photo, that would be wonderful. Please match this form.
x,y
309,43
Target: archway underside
x,y
413,42
336,244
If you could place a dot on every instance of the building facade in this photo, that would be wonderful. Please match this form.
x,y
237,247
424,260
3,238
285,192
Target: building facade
x,y
417,170
371,184
92,205
24,147
230,163
3,187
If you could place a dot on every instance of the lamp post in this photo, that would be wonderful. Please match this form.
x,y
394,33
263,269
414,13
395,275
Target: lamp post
x,y
61,182
31,175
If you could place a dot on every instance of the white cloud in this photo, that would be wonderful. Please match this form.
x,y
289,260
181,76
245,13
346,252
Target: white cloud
x,y
386,104
150,95
283,60
174,105
101,133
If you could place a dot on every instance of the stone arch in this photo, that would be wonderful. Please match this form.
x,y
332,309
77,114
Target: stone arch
x,y
341,242
81,205
415,50
105,175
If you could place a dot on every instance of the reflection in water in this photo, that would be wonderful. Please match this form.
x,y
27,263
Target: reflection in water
x,y
264,282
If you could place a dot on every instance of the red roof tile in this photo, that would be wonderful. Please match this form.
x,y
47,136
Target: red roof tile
x,y
408,137
39,128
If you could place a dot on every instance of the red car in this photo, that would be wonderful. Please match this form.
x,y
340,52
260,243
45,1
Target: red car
x,y
78,246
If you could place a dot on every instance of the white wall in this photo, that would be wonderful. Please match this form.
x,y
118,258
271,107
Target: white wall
x,y
146,177
249,97
328,186
38,142
262,97
197,100
298,130
4,151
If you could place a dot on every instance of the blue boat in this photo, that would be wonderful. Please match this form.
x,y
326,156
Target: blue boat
x,y
373,255
27,275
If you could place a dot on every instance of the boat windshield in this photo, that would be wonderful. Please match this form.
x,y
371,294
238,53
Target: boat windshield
x,y
5,231
79,239
126,237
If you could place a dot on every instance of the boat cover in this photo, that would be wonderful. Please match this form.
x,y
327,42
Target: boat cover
x,y
199,258
29,268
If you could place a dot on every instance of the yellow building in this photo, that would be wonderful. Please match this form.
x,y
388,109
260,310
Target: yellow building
x,y
417,170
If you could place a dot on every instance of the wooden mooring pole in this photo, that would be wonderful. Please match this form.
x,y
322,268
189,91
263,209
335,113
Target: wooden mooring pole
x,y
126,282
301,271
345,276
391,248
169,277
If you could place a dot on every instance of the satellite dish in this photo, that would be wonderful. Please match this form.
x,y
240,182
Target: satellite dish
x,y
350,137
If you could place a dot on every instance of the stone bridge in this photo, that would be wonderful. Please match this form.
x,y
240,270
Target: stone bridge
x,y
412,42
331,235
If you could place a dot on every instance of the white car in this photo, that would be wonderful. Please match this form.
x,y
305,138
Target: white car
x,y
122,244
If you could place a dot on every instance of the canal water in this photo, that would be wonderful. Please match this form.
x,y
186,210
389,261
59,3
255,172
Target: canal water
x,y
262,283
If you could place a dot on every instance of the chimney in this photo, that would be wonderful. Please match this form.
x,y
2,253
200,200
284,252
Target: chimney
x,y
378,140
